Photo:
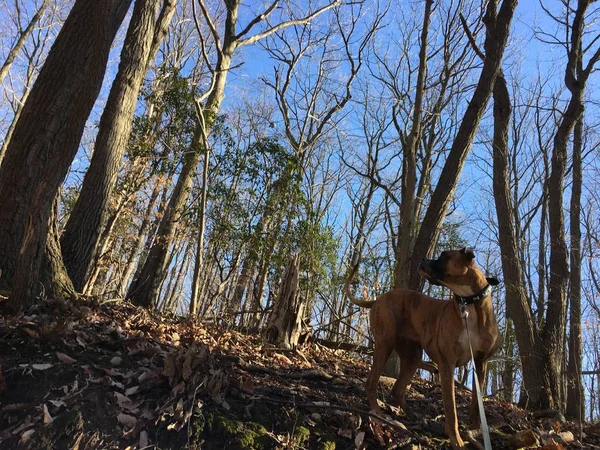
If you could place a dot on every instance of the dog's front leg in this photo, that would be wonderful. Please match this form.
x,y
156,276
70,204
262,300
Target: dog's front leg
x,y
481,368
447,383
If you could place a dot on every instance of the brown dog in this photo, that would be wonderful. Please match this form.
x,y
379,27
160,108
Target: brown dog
x,y
410,322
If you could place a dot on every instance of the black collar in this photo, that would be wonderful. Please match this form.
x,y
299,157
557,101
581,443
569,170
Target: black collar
x,y
474,298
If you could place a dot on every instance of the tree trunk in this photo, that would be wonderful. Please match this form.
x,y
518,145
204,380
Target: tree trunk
x,y
144,290
575,395
518,308
407,229
12,54
47,137
82,231
556,317
198,266
497,31
285,322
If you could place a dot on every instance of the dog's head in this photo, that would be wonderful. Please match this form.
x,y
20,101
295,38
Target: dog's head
x,y
456,269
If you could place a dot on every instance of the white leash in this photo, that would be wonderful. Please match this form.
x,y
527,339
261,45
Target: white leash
x,y
485,431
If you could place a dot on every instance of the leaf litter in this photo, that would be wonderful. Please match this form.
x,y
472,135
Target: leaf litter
x,y
87,375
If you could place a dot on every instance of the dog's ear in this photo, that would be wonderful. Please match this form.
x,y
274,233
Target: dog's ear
x,y
468,253
492,281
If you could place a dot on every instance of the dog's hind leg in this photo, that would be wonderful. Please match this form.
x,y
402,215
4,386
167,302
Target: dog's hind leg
x,y
411,354
381,353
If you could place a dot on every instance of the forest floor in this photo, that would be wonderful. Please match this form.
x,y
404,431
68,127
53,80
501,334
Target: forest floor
x,y
86,375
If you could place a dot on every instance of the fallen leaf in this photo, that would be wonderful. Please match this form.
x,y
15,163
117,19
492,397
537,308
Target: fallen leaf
x,y
65,358
26,436
116,361
247,385
131,390
144,441
46,417
45,366
345,433
57,403
127,420
359,439
123,401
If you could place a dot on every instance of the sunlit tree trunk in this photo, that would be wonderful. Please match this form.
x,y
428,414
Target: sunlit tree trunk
x,y
47,137
83,229
497,30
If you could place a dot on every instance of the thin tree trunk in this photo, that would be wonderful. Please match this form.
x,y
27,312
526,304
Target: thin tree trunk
x,y
198,266
82,231
517,304
143,234
12,54
556,317
575,395
47,137
143,290
407,229
497,31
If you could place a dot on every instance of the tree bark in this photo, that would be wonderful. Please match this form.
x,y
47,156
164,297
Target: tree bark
x,y
553,333
47,136
518,308
497,31
143,290
575,395
82,231
285,322
406,232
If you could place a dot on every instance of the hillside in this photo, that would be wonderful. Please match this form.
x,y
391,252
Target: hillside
x,y
87,375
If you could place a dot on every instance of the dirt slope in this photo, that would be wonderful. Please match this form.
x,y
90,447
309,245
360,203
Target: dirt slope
x,y
86,375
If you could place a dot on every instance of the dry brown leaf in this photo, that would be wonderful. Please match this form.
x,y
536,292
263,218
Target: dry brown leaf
x,y
127,420
46,417
187,363
45,366
26,436
169,370
144,441
247,385
551,444
123,401
132,390
359,439
377,430
65,358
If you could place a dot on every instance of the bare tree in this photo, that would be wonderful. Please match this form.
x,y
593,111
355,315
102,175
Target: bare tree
x,y
576,76
145,289
22,38
497,21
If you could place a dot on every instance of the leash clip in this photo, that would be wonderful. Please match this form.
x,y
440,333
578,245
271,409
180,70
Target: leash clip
x,y
463,311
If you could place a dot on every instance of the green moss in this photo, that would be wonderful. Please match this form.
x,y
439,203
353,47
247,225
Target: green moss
x,y
327,445
226,425
248,440
257,428
301,434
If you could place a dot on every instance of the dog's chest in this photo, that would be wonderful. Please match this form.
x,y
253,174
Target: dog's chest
x,y
479,340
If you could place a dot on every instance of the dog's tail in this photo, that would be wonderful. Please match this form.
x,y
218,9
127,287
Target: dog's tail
x,y
350,295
